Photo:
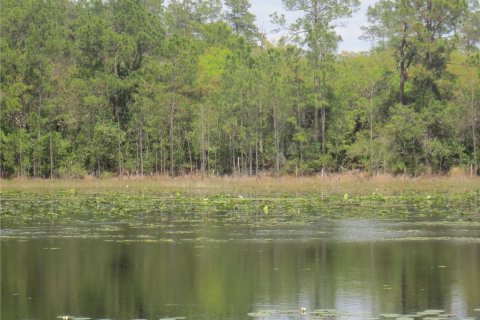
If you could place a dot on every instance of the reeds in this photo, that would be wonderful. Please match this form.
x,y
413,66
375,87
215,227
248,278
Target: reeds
x,y
354,184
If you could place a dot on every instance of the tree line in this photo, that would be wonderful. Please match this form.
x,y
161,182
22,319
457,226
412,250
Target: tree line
x,y
194,87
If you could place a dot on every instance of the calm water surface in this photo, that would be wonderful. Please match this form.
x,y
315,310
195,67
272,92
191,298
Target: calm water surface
x,y
213,270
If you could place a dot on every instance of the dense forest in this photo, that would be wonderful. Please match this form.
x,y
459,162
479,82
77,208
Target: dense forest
x,y
122,87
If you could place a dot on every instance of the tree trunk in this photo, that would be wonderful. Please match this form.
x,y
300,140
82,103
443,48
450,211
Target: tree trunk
x,y
242,163
163,158
232,155
403,66
301,155
51,156
316,92
170,134
39,109
156,160
98,167
371,129
324,116
207,154
119,151
141,152
202,142
277,139
20,159
250,160
323,130
171,122
36,161
137,157
256,158
474,134
315,125
190,156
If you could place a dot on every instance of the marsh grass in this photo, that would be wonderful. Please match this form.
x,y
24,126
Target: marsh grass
x,y
333,184
219,198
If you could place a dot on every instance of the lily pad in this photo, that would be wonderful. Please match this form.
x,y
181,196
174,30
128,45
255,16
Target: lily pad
x,y
390,315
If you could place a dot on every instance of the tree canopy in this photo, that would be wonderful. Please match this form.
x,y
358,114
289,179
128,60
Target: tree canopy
x,y
117,87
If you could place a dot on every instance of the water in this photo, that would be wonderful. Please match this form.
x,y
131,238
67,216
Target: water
x,y
219,270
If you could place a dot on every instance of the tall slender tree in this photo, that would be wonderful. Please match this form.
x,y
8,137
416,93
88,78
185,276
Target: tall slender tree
x,y
240,18
421,34
315,30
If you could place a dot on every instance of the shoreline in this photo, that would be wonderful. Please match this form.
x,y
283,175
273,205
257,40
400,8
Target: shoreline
x,y
332,184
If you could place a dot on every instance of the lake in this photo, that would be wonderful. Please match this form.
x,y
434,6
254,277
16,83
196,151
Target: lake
x,y
209,268
305,256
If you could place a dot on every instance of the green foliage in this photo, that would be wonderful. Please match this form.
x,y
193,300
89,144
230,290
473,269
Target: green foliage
x,y
211,66
241,20
141,87
21,207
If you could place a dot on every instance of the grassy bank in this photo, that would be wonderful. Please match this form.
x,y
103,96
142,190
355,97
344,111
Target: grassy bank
x,y
332,184
239,198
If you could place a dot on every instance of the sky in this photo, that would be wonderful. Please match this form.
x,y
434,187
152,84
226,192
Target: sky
x,y
349,29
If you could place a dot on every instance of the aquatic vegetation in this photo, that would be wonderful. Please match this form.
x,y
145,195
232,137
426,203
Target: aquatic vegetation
x,y
20,207
332,314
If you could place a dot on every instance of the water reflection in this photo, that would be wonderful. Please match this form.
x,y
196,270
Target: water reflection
x,y
212,272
